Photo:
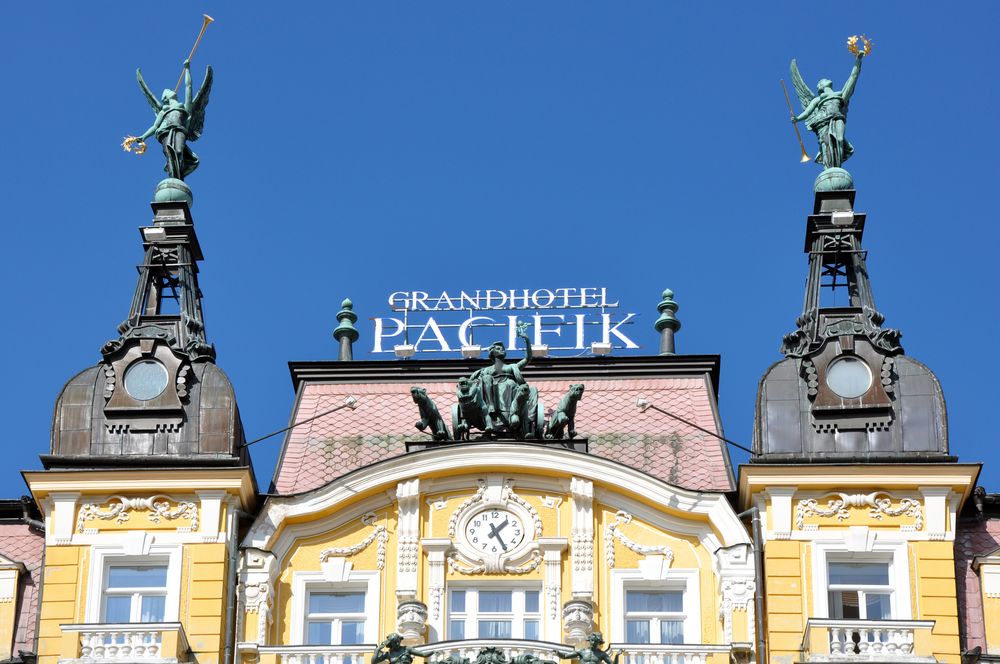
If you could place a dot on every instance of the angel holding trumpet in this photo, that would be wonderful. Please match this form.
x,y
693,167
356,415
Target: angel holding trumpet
x,y
825,113
176,123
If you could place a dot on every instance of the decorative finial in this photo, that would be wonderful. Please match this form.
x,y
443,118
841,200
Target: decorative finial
x,y
667,324
346,334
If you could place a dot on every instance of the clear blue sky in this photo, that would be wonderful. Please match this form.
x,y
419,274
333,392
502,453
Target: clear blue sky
x,y
355,149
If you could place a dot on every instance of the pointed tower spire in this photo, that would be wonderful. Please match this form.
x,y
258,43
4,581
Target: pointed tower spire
x,y
845,391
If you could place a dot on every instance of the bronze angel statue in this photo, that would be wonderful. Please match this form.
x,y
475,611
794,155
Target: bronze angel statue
x,y
177,123
825,113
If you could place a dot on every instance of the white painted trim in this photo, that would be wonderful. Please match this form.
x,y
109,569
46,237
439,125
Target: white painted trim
x,y
684,579
493,457
893,551
144,552
303,582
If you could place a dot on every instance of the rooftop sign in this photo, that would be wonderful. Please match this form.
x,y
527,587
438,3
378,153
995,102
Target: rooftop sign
x,y
561,319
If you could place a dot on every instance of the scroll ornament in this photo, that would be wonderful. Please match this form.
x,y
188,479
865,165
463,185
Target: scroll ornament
x,y
378,534
879,506
613,532
157,505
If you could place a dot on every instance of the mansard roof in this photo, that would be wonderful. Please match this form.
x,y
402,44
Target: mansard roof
x,y
329,446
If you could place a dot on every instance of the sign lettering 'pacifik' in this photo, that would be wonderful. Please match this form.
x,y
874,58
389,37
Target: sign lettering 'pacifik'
x,y
440,325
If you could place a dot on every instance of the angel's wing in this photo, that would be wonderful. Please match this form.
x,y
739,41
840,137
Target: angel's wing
x,y
197,120
802,90
150,97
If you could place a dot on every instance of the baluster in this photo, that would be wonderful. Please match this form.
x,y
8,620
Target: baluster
x,y
863,642
877,642
836,644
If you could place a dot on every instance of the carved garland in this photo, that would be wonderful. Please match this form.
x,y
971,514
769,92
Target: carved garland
x,y
157,505
879,504
612,532
379,533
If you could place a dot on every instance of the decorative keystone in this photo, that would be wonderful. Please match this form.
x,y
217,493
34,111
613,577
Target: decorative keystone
x,y
345,333
667,324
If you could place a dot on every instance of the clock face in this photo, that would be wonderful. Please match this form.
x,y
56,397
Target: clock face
x,y
494,532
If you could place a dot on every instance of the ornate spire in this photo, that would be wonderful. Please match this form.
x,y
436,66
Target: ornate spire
x,y
345,333
667,324
837,262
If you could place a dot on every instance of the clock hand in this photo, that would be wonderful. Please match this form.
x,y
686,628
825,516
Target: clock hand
x,y
495,534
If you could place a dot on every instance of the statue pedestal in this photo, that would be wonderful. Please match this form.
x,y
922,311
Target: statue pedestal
x,y
172,190
833,179
577,444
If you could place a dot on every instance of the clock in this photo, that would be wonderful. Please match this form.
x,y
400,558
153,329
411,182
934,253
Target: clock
x,y
495,531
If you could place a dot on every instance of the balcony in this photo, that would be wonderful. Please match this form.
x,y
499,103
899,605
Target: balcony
x,y
155,643
544,650
867,641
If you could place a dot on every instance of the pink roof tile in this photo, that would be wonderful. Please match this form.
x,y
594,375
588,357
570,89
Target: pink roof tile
x,y
974,538
330,446
22,545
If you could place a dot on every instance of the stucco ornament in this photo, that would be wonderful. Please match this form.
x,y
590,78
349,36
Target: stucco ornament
x,y
879,506
120,507
378,534
613,532
520,558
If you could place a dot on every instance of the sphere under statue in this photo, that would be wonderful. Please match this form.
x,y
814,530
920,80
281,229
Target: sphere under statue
x,y
172,190
833,179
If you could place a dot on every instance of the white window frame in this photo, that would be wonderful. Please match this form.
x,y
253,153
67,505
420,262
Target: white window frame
x,y
654,618
304,583
882,551
135,593
517,615
103,557
685,580
862,590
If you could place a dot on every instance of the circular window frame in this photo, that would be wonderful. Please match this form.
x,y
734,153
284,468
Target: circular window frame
x,y
844,359
132,367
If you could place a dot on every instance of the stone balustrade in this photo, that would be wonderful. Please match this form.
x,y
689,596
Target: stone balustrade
x,y
156,643
868,640
511,648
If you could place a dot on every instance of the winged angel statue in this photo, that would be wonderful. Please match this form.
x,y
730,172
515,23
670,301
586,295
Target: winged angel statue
x,y
825,114
177,123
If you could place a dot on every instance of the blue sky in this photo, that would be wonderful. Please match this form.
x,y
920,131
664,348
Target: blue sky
x,y
355,149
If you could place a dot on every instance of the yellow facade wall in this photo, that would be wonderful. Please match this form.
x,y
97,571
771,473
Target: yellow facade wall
x,y
785,576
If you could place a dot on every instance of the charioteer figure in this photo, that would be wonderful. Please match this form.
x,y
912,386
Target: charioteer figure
x,y
591,653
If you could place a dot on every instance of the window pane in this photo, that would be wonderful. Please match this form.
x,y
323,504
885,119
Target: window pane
x,y
877,606
352,632
137,577
494,629
845,605
118,609
153,607
495,601
860,574
336,602
456,629
531,601
671,631
458,601
637,631
318,633
659,601
531,630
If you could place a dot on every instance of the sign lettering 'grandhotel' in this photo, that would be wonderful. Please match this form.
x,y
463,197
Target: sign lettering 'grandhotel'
x,y
573,319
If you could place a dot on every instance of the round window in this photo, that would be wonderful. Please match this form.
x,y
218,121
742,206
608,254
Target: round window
x,y
145,380
849,377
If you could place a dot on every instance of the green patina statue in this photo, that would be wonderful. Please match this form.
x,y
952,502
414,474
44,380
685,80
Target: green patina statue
x,y
825,114
393,651
591,653
178,122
